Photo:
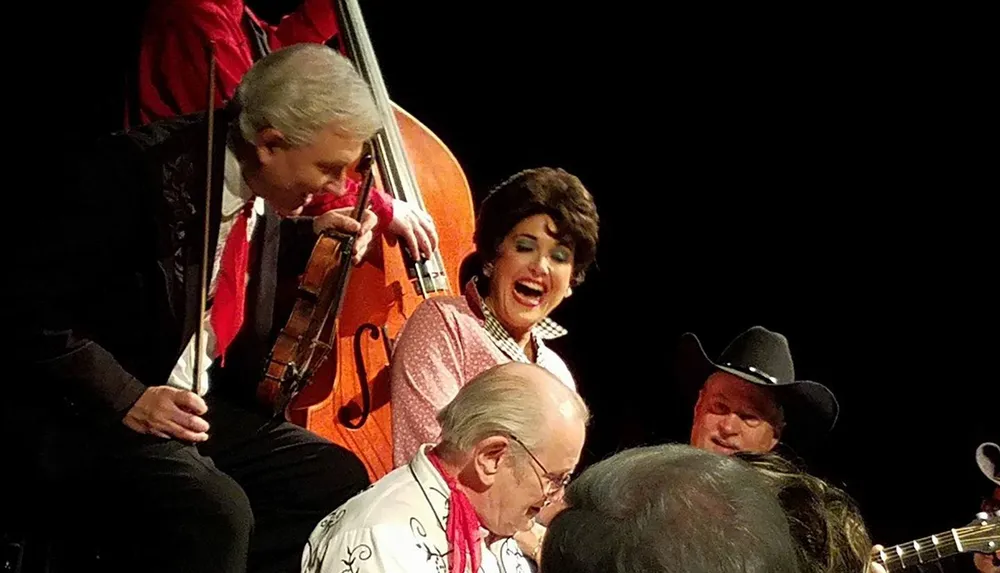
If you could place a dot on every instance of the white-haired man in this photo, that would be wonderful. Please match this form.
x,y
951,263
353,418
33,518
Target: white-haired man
x,y
510,439
109,322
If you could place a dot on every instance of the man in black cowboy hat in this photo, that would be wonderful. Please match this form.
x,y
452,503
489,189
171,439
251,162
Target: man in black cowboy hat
x,y
988,458
749,396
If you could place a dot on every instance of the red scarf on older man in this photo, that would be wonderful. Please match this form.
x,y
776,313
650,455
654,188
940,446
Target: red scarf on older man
x,y
463,524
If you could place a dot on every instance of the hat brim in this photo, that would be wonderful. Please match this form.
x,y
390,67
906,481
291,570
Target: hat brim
x,y
988,457
810,408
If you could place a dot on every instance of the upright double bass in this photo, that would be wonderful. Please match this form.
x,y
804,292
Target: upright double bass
x,y
347,398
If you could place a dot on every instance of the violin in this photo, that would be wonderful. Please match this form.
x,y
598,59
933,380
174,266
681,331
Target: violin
x,y
300,348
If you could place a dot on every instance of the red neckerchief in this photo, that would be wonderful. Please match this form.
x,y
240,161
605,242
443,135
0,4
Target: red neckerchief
x,y
228,309
463,524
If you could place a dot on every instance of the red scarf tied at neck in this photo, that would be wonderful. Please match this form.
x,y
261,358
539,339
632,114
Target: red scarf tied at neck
x,y
463,524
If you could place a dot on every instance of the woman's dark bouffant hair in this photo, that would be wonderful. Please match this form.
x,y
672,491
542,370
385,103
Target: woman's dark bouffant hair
x,y
543,190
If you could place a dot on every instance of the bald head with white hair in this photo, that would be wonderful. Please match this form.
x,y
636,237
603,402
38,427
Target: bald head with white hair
x,y
512,435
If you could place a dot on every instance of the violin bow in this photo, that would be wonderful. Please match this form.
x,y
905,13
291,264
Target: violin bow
x,y
205,261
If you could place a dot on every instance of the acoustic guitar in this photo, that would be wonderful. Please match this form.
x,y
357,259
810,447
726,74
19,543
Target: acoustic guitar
x,y
982,535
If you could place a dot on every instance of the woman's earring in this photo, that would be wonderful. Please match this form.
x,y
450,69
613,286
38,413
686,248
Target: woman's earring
x,y
569,291
487,269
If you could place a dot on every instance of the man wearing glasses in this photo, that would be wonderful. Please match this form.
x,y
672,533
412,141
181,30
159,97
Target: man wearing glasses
x,y
509,443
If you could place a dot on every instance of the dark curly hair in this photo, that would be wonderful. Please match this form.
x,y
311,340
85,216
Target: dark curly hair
x,y
546,191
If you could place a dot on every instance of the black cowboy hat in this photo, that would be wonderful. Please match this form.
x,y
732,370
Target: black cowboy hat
x,y
988,458
762,357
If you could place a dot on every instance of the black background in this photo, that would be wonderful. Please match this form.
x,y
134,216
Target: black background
x,y
815,171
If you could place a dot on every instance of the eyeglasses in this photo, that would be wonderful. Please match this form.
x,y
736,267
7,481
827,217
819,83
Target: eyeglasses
x,y
551,484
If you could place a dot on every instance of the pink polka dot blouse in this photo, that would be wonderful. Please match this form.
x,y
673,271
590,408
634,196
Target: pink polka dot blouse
x,y
446,342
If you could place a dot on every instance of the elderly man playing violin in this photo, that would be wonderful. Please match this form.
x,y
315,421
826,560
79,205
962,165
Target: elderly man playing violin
x,y
169,478
510,439
171,79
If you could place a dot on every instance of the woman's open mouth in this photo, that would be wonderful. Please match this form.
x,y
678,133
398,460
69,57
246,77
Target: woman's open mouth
x,y
529,293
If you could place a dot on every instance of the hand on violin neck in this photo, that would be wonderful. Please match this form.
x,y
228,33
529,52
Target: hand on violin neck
x,y
414,228
341,220
169,412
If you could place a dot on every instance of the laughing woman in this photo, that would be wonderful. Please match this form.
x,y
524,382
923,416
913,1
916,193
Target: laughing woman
x,y
537,235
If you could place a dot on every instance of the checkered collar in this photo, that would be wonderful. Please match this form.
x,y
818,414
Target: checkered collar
x,y
546,329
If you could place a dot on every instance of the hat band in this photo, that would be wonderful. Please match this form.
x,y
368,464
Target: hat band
x,y
752,371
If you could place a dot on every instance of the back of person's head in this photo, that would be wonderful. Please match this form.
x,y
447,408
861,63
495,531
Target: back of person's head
x,y
825,521
300,90
670,508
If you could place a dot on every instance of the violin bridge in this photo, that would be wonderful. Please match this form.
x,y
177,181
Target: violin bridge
x,y
292,376
288,388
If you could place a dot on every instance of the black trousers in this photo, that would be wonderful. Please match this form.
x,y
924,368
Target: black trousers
x,y
245,500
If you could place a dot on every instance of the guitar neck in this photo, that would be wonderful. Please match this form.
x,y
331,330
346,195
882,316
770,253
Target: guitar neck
x,y
919,551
